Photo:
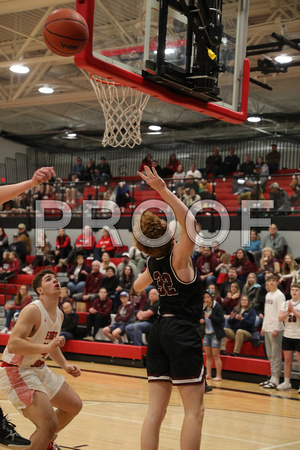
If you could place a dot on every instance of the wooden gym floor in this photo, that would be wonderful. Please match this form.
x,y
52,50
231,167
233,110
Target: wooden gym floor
x,y
238,415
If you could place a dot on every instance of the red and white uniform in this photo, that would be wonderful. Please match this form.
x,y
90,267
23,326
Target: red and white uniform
x,y
21,375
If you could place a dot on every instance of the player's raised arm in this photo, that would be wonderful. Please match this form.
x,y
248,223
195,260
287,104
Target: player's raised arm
x,y
44,174
182,213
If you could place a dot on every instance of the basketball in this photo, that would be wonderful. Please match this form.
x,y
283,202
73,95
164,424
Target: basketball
x,y
65,32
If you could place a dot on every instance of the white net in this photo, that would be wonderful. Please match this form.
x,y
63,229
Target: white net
x,y
123,109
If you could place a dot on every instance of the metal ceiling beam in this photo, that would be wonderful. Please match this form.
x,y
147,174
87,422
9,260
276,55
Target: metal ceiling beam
x,y
50,100
16,6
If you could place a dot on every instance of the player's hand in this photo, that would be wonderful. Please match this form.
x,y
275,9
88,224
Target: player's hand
x,y
152,179
262,332
56,342
42,175
274,333
73,370
290,307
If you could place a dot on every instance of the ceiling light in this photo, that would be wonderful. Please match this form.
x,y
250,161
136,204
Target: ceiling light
x,y
46,90
18,68
254,119
71,136
283,59
169,51
154,128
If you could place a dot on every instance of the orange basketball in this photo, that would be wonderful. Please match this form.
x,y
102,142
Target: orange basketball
x,y
65,32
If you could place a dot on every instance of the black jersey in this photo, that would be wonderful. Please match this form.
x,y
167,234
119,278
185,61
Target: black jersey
x,y
176,296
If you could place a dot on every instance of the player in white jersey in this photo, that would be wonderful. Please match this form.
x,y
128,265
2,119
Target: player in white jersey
x,y
25,378
8,435
290,315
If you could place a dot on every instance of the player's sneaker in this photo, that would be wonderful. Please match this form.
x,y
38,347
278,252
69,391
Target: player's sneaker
x,y
53,446
284,386
8,435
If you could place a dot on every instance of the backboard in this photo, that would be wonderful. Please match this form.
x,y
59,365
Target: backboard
x,y
185,52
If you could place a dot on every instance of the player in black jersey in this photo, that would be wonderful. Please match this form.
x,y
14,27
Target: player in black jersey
x,y
174,354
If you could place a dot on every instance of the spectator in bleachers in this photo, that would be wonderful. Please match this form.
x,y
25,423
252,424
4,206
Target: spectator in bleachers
x,y
273,159
70,322
99,315
245,169
216,292
253,193
124,316
290,314
63,246
64,297
122,195
191,183
137,299
12,268
147,161
272,330
84,245
206,265
21,300
105,244
287,272
262,171
191,197
73,190
146,317
253,245
43,254
251,289
59,190
24,237
178,177
157,167
126,262
194,172
105,263
223,268
77,274
179,192
91,285
104,170
268,262
214,332
232,298
171,166
241,324
280,198
275,241
3,243
110,282
242,264
126,280
214,162
232,278
230,163
18,247
217,250
295,185
206,190
22,203
138,258
89,170
259,305
78,170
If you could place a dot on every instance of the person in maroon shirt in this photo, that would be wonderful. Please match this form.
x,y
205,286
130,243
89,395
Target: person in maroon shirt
x,y
105,244
242,264
13,267
99,314
217,250
124,316
92,285
206,265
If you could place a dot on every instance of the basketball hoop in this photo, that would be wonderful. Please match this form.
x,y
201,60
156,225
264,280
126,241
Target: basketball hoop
x,y
123,109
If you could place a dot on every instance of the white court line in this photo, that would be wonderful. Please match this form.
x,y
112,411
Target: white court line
x,y
280,446
176,428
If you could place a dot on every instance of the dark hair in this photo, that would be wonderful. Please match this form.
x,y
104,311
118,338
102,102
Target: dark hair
x,y
37,281
236,262
239,305
112,268
131,276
